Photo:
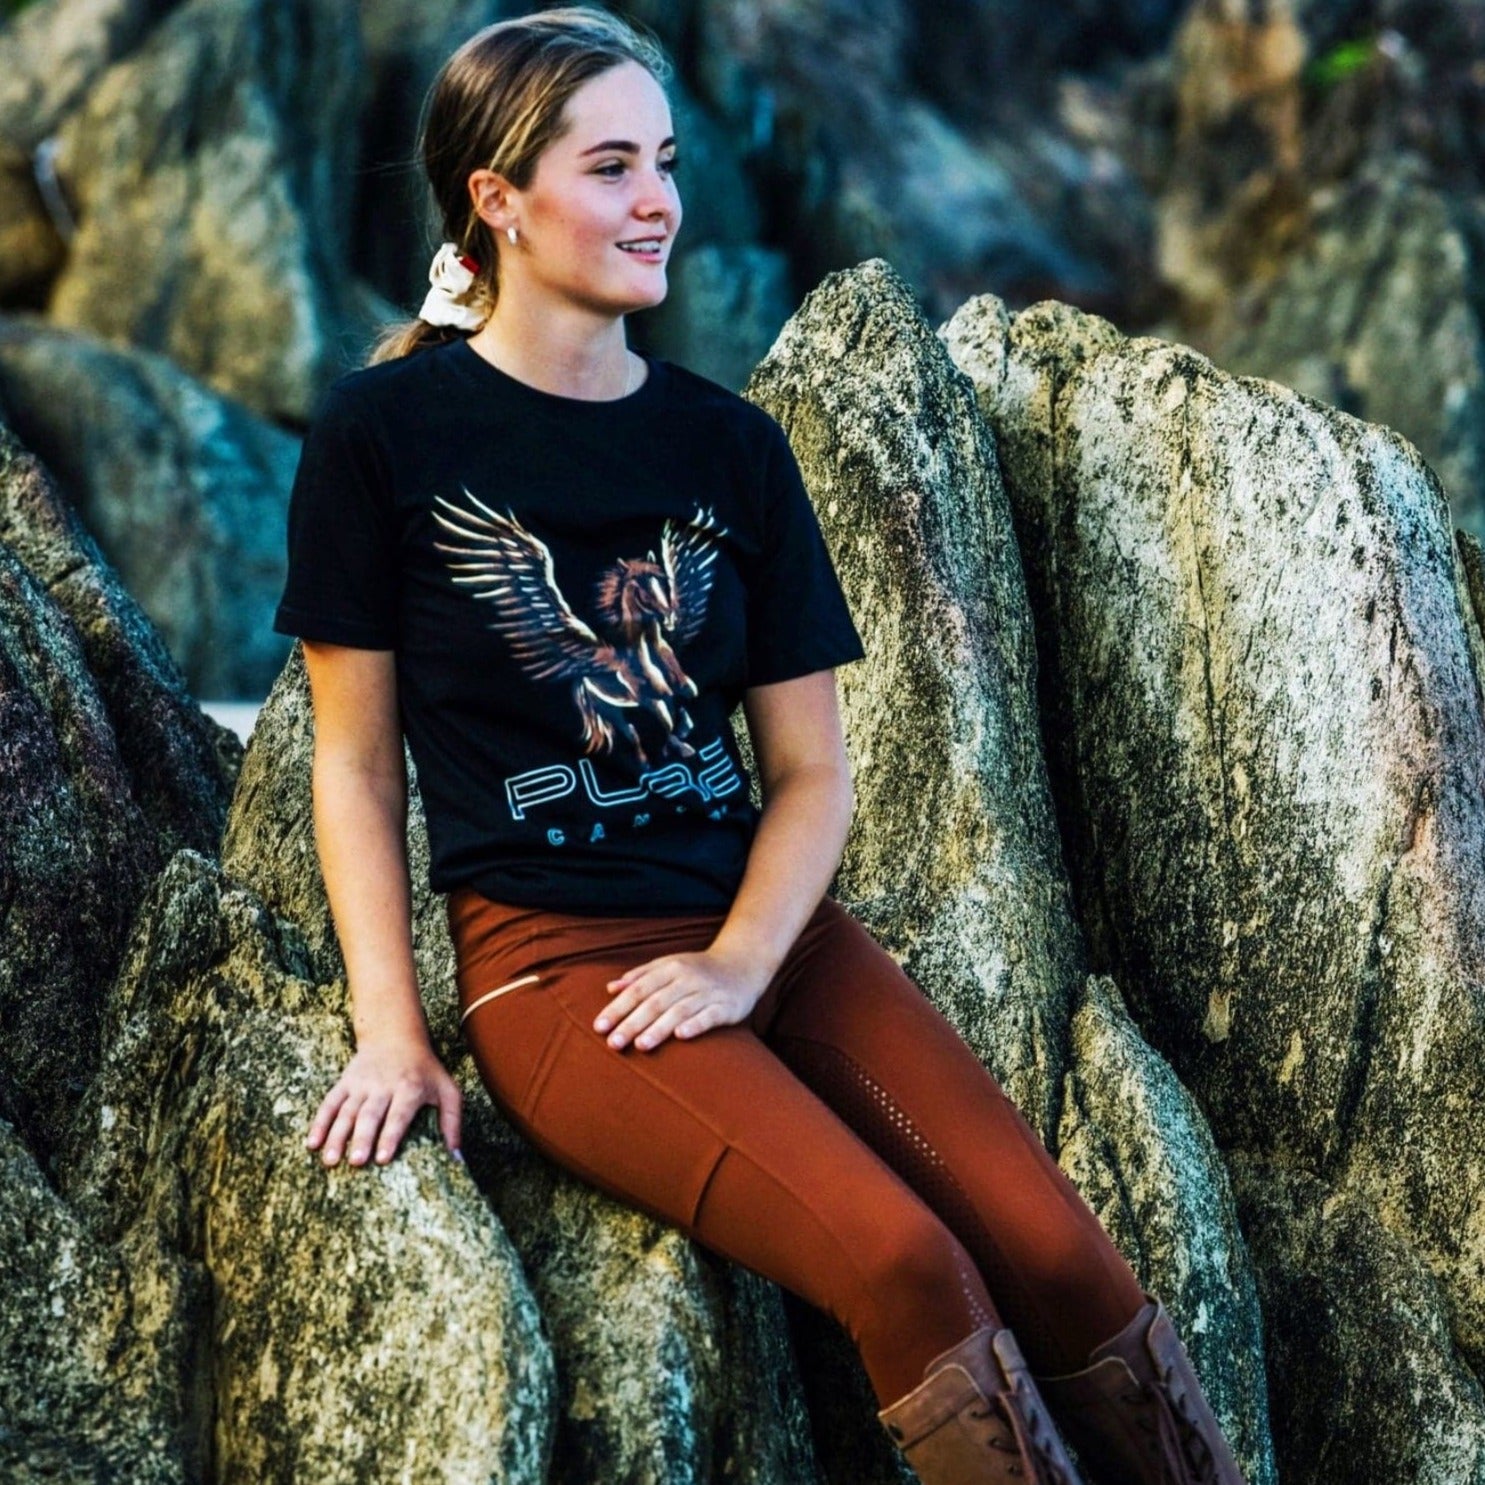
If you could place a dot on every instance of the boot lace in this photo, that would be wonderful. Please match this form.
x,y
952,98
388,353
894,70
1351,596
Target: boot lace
x,y
1039,1431
1193,1441
995,1440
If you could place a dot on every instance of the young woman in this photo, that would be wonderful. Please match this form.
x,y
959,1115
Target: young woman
x,y
558,566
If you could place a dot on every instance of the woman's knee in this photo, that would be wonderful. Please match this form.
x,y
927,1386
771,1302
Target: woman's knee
x,y
1064,1254
913,1255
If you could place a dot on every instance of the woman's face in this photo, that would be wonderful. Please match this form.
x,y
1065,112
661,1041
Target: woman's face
x,y
607,180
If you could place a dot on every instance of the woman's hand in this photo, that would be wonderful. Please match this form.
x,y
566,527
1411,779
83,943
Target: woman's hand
x,y
681,993
382,1088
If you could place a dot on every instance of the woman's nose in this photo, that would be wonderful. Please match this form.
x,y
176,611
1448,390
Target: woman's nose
x,y
658,190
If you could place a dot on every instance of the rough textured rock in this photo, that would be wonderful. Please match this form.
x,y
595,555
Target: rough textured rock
x,y
1388,279
31,246
75,855
93,1338
1181,1230
211,175
669,1366
362,1322
185,490
1232,197
953,860
866,166
1335,1276
1322,212
1266,741
181,765
50,55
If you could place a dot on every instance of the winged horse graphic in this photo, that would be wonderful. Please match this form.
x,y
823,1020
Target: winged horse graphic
x,y
647,608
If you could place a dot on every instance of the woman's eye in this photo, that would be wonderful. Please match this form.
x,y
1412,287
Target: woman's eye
x,y
668,165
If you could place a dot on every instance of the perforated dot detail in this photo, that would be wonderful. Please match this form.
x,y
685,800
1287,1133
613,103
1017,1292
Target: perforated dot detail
x,y
872,1112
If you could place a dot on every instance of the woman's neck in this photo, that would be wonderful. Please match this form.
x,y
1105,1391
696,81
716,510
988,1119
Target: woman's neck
x,y
592,367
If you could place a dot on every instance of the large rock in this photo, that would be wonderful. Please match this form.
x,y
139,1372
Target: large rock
x,y
1263,702
954,860
1322,212
867,167
50,55
1233,187
181,765
98,1343
185,490
959,46
360,1319
211,173
1380,316
75,855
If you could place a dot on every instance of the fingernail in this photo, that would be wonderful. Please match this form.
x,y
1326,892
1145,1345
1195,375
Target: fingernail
x,y
459,1156
601,1024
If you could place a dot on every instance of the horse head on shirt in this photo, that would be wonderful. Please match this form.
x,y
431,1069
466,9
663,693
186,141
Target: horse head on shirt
x,y
647,608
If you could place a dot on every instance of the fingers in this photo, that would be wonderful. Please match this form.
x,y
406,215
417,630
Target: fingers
x,y
374,1124
703,1020
662,998
327,1112
451,1116
363,1133
676,1014
640,999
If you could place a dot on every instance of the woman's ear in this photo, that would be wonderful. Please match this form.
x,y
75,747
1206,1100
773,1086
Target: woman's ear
x,y
491,196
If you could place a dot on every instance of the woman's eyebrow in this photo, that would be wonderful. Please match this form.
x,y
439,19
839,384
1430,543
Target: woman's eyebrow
x,y
622,146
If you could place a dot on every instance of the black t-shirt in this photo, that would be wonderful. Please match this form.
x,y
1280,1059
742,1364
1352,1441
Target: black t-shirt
x,y
578,593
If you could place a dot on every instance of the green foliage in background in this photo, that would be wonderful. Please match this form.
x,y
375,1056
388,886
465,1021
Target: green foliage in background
x,y
1326,70
9,7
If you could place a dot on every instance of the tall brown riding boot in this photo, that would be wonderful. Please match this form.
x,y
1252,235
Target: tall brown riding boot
x,y
976,1419
1137,1415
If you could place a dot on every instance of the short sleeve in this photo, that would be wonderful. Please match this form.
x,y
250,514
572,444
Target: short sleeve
x,y
798,620
343,570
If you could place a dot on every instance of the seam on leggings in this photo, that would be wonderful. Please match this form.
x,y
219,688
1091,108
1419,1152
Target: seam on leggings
x,y
728,1148
1028,1293
706,1186
865,1294
499,990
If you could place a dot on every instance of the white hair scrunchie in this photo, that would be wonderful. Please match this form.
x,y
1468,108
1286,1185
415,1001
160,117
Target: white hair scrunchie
x,y
451,274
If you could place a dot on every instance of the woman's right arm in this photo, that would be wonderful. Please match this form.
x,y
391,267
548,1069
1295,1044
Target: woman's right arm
x,y
359,791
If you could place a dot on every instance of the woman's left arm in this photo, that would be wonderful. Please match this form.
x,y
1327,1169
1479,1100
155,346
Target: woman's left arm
x,y
807,801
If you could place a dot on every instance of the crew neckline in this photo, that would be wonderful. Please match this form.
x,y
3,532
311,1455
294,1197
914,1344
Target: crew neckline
x,y
537,397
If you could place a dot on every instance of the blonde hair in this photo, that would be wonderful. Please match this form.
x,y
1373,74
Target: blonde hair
x,y
496,104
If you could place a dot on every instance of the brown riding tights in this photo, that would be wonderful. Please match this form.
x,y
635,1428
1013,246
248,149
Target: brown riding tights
x,y
843,1141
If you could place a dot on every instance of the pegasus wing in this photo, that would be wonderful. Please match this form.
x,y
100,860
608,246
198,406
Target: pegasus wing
x,y
505,565
689,554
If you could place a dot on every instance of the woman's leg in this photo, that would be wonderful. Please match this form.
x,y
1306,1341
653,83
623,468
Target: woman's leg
x,y
714,1135
845,1017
